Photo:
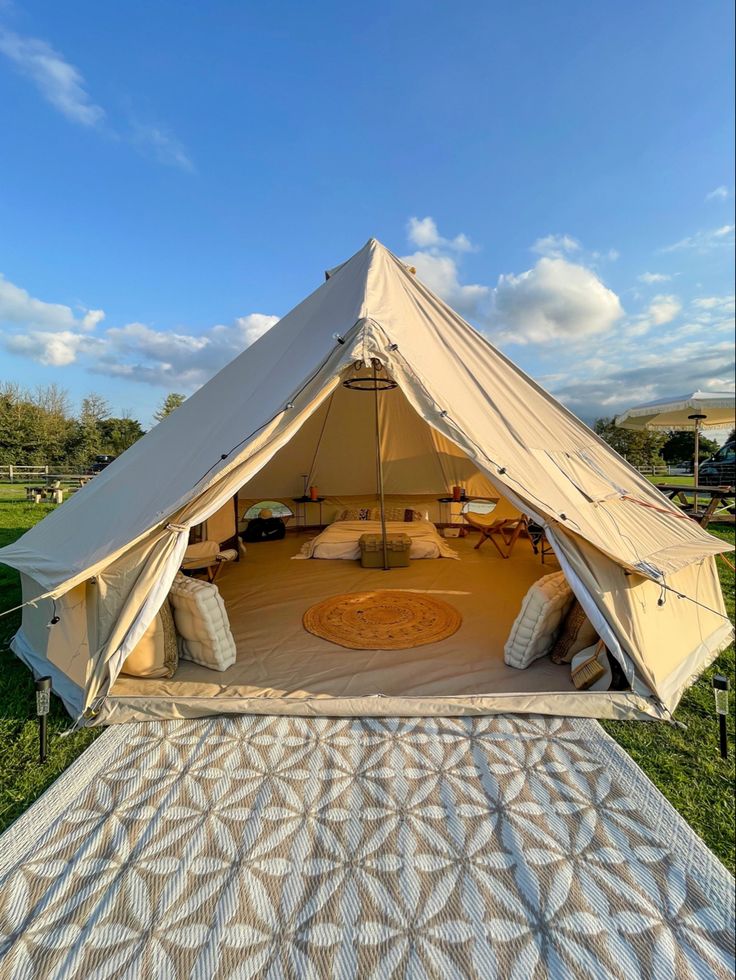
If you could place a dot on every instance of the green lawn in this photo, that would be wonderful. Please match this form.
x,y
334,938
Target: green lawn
x,y
685,765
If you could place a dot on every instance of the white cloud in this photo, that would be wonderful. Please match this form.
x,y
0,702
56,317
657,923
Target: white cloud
x,y
166,357
64,87
556,246
440,273
60,83
662,309
658,373
51,334
53,348
556,299
704,241
161,145
423,233
723,304
17,306
718,194
652,277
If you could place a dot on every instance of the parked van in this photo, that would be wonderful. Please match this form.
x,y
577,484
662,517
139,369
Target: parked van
x,y
720,470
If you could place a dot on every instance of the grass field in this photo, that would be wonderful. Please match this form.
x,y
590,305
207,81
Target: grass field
x,y
685,765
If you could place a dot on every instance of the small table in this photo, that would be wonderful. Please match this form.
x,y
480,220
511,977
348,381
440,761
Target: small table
x,y
300,511
718,496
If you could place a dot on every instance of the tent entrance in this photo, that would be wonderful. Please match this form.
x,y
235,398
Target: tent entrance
x,y
281,666
267,594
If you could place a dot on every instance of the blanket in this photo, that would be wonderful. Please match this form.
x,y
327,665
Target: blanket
x,y
340,540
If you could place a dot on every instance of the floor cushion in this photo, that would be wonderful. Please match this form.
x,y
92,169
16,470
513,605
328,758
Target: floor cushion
x,y
576,634
154,656
202,623
171,645
535,628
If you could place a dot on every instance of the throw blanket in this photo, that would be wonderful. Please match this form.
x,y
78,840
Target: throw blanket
x,y
520,847
340,540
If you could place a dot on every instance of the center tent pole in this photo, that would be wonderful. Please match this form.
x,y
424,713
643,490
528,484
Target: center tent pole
x,y
379,464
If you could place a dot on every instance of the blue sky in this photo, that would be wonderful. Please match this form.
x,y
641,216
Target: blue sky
x,y
173,177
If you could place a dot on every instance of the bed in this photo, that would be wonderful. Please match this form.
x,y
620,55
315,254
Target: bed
x,y
340,540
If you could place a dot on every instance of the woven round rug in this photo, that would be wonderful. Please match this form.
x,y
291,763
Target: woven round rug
x,y
382,620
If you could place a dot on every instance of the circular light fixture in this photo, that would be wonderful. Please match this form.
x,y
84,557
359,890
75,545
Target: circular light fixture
x,y
369,383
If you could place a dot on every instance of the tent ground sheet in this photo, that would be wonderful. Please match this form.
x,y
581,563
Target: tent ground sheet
x,y
256,846
267,594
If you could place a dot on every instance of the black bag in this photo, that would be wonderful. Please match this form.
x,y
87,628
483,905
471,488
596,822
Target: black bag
x,y
264,529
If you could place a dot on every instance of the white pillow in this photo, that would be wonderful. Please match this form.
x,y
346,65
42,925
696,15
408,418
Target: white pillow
x,y
540,617
202,624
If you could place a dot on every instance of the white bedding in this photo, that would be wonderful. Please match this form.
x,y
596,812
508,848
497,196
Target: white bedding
x,y
340,540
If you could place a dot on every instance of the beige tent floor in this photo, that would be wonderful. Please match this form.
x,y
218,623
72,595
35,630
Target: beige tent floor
x,y
267,593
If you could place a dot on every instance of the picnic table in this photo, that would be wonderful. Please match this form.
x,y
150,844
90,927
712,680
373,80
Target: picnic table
x,y
718,508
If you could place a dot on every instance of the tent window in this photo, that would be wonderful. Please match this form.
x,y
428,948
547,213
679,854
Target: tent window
x,y
278,509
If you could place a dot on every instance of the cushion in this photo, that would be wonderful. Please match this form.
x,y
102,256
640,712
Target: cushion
x,y
394,542
407,514
576,634
171,645
202,624
540,617
359,514
153,656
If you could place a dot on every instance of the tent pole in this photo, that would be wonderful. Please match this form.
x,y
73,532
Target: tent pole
x,y
379,466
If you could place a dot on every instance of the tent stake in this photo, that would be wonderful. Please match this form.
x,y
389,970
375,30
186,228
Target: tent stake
x,y
379,465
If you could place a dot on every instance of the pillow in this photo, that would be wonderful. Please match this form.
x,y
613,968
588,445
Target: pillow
x,y
155,654
361,514
202,623
539,619
405,514
576,634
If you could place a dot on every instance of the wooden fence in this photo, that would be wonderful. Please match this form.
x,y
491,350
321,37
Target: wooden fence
x,y
37,474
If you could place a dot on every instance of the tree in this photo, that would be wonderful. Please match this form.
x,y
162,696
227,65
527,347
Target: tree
x,y
95,408
680,448
172,401
731,436
119,434
640,448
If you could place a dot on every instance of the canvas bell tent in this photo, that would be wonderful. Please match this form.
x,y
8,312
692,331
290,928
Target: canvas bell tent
x,y
96,571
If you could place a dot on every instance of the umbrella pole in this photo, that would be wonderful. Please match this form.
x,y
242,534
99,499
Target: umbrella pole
x,y
696,465
698,420
379,468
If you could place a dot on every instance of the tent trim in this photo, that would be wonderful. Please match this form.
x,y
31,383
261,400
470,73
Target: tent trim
x,y
622,705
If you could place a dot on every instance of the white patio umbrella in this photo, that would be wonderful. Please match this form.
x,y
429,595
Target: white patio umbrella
x,y
695,412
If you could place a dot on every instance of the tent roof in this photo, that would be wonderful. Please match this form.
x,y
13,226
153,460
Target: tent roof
x,y
531,447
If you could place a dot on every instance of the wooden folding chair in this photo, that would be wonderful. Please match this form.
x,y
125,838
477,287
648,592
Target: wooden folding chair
x,y
503,529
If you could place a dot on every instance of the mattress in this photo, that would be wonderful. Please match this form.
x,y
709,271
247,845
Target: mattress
x,y
340,540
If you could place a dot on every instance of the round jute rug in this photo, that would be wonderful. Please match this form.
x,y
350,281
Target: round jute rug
x,y
382,620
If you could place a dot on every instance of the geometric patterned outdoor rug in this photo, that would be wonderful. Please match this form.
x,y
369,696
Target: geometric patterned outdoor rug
x,y
506,846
